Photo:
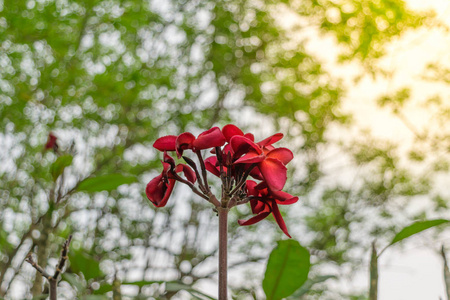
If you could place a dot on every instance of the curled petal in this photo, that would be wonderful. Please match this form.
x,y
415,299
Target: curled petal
x,y
231,130
255,173
282,196
274,173
165,143
251,191
282,154
184,141
242,145
209,139
250,136
187,171
259,207
227,149
166,168
288,201
271,140
211,165
277,215
250,158
254,219
158,190
168,159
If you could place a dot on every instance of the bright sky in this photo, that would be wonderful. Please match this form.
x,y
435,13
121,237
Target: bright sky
x,y
414,272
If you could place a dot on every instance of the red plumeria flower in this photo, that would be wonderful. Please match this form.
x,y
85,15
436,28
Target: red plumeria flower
x,y
51,142
263,202
271,161
160,188
235,157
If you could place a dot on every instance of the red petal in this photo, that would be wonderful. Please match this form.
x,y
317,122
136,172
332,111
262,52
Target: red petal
x,y
282,154
277,215
165,143
255,173
250,136
210,165
254,220
251,157
184,141
168,159
231,130
282,196
259,207
274,173
242,145
209,139
158,191
251,191
188,172
261,186
288,201
271,139
166,168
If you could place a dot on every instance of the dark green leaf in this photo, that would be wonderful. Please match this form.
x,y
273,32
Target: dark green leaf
x,y
416,228
107,182
60,164
81,262
287,270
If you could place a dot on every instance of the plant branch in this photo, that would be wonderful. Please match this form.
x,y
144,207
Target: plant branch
x,y
52,279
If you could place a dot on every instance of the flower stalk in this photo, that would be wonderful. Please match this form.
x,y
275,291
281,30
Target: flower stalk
x,y
223,246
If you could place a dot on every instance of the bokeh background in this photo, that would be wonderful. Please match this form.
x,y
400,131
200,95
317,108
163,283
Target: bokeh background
x,y
360,89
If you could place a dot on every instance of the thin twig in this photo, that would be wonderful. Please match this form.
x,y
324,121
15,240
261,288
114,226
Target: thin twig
x,y
52,280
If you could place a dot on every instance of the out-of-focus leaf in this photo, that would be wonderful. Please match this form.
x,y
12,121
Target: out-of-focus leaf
x,y
60,164
287,270
416,228
306,287
107,182
176,286
74,281
84,263
38,297
95,297
171,286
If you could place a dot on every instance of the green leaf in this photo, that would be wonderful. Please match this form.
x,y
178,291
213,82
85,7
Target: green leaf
x,y
74,281
287,270
107,182
60,164
38,297
95,297
416,228
176,286
81,262
306,287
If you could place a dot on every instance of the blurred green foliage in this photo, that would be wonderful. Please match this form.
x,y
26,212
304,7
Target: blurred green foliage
x,y
108,77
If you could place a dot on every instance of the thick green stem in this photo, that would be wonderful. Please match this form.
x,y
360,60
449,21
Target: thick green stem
x,y
223,241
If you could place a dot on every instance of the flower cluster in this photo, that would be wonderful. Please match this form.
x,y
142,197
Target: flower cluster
x,y
236,156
